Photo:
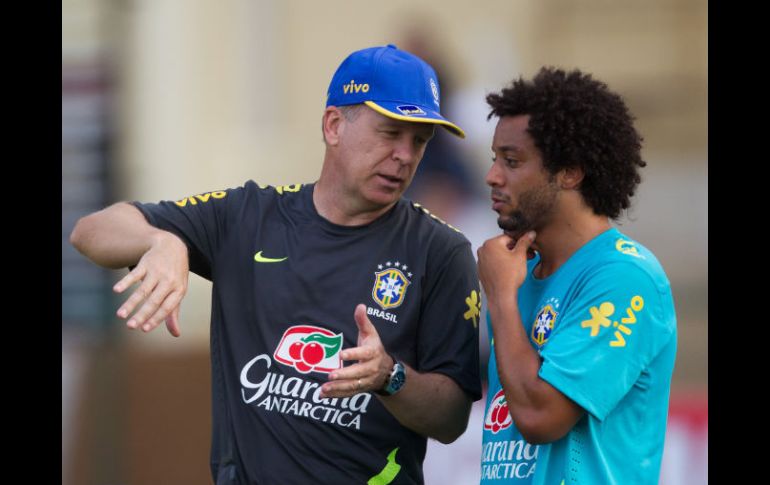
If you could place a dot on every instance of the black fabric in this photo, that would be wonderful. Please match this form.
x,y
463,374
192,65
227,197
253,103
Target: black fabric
x,y
269,426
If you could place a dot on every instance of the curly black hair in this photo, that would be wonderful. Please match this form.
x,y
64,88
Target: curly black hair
x,y
576,121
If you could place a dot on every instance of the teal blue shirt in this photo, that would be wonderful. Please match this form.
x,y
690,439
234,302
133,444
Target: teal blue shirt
x,y
605,328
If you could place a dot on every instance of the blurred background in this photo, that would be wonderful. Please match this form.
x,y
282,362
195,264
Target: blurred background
x,y
162,99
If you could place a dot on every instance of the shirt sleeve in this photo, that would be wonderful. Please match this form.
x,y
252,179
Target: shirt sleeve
x,y
199,220
606,335
448,338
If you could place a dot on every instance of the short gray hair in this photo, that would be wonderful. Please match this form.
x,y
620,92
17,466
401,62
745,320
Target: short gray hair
x,y
350,112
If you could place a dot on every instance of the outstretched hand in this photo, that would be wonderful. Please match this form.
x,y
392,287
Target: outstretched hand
x,y
372,367
163,272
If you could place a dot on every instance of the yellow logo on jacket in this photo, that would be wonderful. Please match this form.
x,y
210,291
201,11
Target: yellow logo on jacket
x,y
628,247
474,308
601,317
352,87
193,200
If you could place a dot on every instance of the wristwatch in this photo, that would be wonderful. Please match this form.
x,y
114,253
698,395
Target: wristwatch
x,y
395,380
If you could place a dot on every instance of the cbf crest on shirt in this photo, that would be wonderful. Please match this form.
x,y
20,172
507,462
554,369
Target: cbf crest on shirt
x,y
544,322
543,326
390,285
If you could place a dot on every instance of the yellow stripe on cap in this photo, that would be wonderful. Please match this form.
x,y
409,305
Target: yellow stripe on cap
x,y
454,129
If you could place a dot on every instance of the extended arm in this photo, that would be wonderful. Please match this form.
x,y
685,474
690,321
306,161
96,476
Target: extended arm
x,y
430,404
541,412
115,237
120,236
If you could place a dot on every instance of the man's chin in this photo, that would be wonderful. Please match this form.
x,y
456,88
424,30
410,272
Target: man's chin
x,y
505,224
382,197
513,232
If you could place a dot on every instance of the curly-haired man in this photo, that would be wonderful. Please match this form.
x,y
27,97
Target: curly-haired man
x,y
582,316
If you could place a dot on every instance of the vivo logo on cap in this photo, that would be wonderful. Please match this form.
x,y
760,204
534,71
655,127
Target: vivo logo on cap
x,y
352,87
410,110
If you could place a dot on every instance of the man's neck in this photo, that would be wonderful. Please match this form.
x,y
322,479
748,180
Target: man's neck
x,y
564,236
342,209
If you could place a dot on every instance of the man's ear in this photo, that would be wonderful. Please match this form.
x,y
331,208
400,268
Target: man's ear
x,y
570,177
330,125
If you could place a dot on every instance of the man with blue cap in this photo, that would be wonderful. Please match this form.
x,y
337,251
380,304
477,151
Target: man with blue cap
x,y
344,326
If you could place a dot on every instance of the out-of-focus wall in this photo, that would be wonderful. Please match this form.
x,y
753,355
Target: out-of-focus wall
x,y
214,93
208,94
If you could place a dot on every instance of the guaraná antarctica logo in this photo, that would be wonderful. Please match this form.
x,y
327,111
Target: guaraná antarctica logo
x,y
308,348
498,416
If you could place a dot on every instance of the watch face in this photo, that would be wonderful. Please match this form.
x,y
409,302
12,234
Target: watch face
x,y
397,379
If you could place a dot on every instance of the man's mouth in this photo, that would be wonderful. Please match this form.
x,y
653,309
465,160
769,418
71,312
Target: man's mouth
x,y
390,179
498,203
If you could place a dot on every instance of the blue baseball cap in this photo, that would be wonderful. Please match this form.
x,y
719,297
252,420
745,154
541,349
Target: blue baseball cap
x,y
392,82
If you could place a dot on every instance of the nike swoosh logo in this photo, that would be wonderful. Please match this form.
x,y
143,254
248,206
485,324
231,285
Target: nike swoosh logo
x,y
262,259
388,474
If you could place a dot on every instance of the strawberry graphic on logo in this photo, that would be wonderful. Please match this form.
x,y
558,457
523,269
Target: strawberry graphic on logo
x,y
309,348
498,417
